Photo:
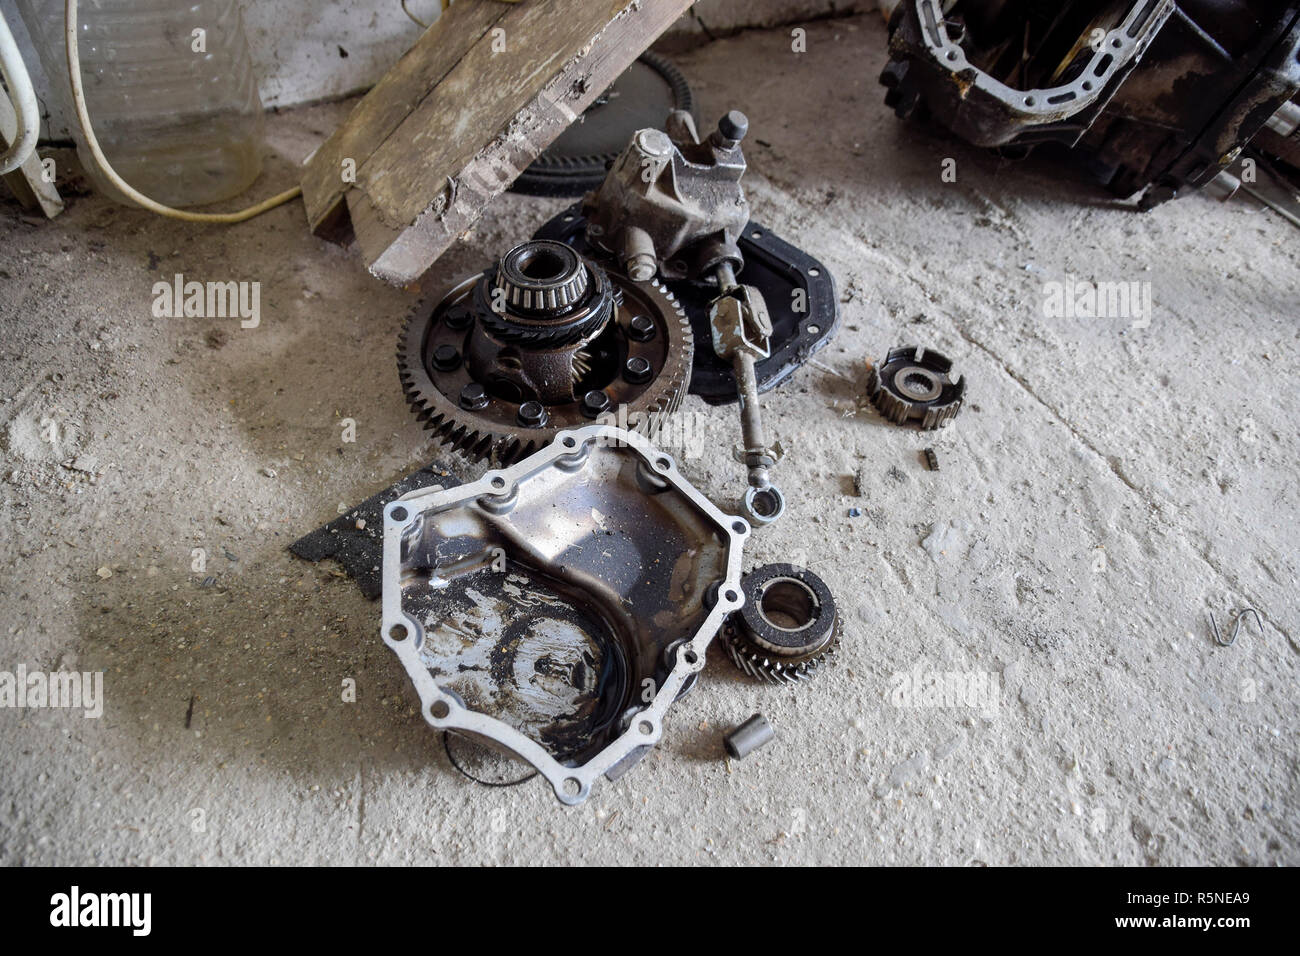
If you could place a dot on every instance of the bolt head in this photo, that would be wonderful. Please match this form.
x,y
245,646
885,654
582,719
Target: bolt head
x,y
654,142
532,415
458,317
445,358
473,397
637,370
641,328
594,403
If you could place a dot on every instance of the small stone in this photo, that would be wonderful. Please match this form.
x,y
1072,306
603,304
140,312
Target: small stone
x,y
361,524
269,472
860,482
105,572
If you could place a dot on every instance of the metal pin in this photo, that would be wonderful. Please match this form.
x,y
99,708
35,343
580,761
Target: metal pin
x,y
1236,627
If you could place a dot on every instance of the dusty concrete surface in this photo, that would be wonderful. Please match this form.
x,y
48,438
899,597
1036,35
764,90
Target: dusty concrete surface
x,y
1120,734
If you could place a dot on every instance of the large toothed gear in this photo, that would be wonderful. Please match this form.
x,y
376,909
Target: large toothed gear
x,y
915,384
787,627
542,342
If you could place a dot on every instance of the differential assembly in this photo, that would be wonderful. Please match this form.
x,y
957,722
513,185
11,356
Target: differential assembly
x,y
787,626
543,341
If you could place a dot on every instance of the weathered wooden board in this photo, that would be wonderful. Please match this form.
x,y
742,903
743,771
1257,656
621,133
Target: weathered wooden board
x,y
487,88
26,182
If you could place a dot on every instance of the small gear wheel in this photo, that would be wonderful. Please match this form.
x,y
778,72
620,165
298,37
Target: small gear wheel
x,y
787,627
915,384
544,341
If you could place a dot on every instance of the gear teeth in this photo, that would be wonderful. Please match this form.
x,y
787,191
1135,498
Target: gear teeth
x,y
774,671
478,439
899,410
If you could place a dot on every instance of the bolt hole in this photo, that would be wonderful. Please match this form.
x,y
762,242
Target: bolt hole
x,y
1029,101
572,786
731,596
1087,85
439,709
646,727
757,233
663,464
498,482
952,54
398,632
765,503
692,658
814,329
398,514
569,442
739,527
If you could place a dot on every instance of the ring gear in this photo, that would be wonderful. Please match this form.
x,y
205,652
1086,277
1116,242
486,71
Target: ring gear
x,y
914,384
787,626
577,161
541,342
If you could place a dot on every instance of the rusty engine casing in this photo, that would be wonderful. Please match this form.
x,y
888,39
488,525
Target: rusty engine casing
x,y
1162,95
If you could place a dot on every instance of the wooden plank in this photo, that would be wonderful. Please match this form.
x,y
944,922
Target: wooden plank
x,y
508,96
26,182
391,100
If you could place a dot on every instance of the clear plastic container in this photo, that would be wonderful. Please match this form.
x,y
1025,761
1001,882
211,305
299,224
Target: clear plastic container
x,y
176,113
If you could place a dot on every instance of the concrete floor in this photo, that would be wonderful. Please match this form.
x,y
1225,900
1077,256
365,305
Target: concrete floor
x,y
1122,734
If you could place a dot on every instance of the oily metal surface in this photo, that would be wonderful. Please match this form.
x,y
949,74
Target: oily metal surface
x,y
518,646
560,605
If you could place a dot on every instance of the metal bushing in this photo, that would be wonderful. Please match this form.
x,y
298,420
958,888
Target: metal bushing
x,y
744,740
787,626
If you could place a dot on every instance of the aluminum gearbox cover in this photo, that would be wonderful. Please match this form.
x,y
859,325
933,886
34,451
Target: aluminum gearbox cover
x,y
557,608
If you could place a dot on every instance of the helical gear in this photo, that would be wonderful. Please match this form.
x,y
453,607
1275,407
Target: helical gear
x,y
787,628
